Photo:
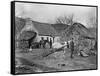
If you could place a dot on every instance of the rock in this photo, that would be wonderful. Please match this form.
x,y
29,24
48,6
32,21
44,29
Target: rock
x,y
82,53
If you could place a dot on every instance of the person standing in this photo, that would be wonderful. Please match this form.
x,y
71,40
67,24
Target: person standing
x,y
42,44
50,43
72,47
67,45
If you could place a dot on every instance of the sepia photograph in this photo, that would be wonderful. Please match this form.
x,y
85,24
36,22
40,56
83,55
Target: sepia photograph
x,y
52,37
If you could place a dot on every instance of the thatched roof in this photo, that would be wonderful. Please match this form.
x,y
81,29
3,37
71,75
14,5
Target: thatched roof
x,y
80,29
60,27
27,35
45,29
42,28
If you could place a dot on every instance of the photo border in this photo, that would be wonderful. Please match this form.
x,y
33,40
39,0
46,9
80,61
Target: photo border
x,y
13,35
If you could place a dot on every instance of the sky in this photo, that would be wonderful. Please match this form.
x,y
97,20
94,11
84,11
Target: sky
x,y
48,13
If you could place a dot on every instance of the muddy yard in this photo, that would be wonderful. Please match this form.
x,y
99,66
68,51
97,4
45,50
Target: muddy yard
x,y
33,62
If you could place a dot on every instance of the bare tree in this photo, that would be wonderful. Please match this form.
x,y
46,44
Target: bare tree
x,y
65,19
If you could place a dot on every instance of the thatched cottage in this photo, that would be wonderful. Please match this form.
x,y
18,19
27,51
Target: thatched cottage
x,y
43,30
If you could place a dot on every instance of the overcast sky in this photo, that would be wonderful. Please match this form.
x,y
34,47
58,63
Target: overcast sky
x,y
48,13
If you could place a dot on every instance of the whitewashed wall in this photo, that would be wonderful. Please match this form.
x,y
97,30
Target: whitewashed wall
x,y
45,38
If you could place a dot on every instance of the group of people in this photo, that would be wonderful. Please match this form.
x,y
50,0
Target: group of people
x,y
44,42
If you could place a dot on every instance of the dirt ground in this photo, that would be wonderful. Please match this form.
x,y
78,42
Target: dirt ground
x,y
52,63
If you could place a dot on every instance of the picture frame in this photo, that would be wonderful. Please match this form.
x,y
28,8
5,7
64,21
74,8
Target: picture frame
x,y
53,37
